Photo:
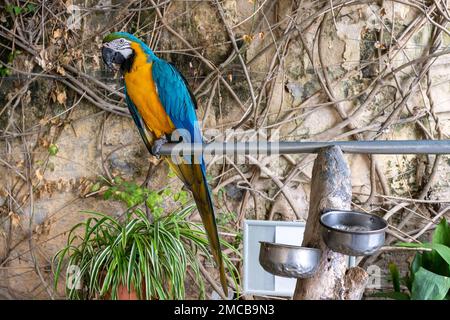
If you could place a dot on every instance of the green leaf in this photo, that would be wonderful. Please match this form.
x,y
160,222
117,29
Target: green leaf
x,y
442,233
441,245
9,8
118,180
131,264
171,173
443,251
415,266
4,71
167,192
31,7
429,286
17,10
412,245
12,9
53,149
395,276
108,194
430,260
95,187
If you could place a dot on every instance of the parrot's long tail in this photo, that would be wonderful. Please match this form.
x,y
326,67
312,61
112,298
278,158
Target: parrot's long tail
x,y
194,177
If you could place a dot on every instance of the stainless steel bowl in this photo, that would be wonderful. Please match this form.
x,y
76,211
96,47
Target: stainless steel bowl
x,y
288,261
353,233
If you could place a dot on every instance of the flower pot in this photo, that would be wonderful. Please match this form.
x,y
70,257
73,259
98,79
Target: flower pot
x,y
123,294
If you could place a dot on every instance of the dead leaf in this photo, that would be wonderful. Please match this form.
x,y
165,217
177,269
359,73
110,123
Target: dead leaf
x,y
43,121
154,160
247,38
38,229
66,59
15,219
39,175
43,59
379,45
61,97
59,185
43,142
72,182
57,33
27,97
67,186
96,61
61,70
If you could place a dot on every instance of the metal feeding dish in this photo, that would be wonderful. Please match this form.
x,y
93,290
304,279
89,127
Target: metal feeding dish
x,y
288,261
353,233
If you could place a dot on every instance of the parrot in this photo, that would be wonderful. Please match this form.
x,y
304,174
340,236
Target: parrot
x,y
160,102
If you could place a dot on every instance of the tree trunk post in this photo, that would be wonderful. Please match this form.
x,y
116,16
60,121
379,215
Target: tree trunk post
x,y
330,188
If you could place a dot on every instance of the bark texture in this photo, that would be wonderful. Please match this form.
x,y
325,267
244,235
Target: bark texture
x,y
330,188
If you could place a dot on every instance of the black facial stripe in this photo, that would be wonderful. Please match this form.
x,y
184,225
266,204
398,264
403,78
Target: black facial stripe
x,y
128,63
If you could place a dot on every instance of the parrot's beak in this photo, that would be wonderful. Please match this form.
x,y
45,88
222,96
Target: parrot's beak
x,y
111,57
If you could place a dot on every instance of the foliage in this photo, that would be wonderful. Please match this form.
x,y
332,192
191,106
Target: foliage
x,y
17,10
14,11
429,272
4,70
53,149
151,257
133,195
226,218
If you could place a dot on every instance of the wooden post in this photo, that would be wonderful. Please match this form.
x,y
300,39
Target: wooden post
x,y
330,188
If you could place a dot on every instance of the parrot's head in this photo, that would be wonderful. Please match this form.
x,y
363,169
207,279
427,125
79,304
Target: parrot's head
x,y
118,48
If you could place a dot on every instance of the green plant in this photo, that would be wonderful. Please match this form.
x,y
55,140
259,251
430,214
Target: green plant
x,y
133,195
4,70
17,10
429,272
53,149
150,257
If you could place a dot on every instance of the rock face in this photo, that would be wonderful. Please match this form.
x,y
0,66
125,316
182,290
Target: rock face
x,y
72,113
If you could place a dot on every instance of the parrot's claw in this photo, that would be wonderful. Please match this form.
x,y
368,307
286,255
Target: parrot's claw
x,y
156,148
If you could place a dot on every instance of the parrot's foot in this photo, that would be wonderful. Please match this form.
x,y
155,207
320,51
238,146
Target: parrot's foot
x,y
157,144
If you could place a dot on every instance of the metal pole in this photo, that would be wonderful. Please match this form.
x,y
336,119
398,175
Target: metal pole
x,y
293,147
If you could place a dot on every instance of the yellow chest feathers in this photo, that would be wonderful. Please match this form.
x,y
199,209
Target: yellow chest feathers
x,y
143,93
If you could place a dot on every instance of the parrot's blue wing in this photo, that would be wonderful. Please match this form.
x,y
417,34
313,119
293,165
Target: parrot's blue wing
x,y
176,98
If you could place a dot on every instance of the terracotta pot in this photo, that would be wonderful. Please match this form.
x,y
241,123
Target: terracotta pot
x,y
123,294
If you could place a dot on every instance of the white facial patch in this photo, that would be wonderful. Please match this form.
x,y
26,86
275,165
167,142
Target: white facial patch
x,y
121,45
126,52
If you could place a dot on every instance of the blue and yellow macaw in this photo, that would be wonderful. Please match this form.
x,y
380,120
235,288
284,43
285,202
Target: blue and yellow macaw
x,y
160,102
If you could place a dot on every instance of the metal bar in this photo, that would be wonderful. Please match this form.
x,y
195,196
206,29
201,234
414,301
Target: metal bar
x,y
293,147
